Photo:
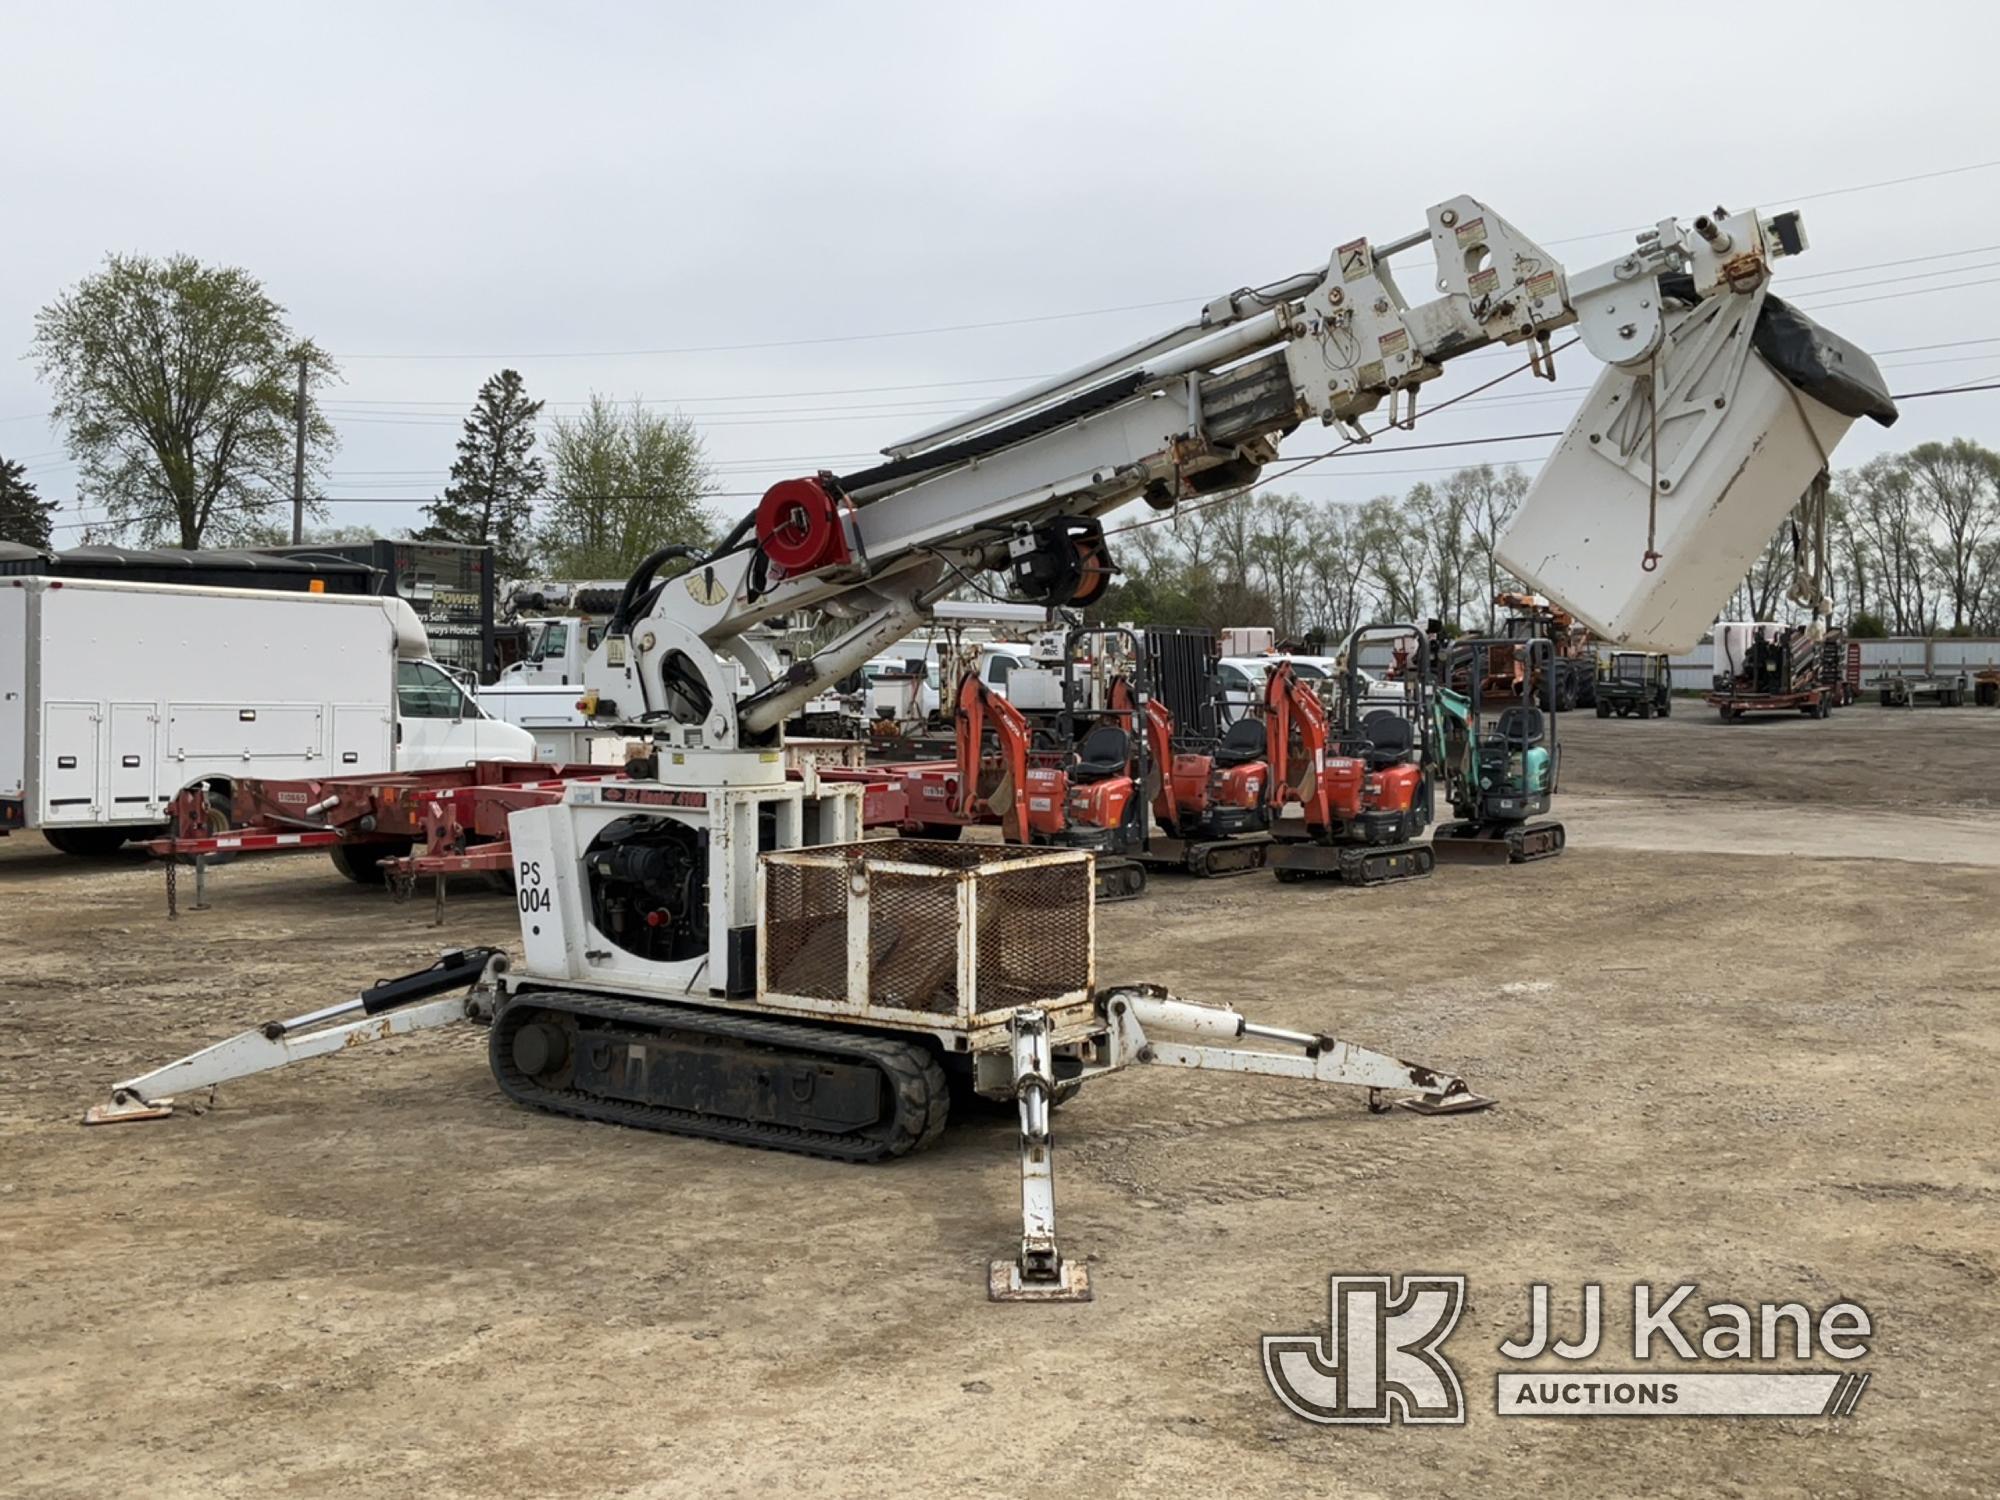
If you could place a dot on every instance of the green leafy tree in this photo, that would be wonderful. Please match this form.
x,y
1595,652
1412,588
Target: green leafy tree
x,y
496,478
177,383
627,480
24,514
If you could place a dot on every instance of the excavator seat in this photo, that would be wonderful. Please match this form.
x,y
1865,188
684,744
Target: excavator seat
x,y
1105,752
1243,744
1519,728
1389,737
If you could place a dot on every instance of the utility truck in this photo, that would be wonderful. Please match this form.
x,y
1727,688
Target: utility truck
x,y
117,697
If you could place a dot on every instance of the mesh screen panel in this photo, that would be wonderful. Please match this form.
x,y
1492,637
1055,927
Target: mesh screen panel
x,y
1034,934
805,930
1033,925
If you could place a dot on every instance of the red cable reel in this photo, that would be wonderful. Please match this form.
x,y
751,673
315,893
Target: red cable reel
x,y
801,527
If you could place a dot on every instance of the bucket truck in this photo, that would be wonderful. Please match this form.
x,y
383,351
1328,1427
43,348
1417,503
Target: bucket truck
x,y
713,950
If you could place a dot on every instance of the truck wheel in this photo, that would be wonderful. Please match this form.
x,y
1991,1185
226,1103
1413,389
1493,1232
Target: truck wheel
x,y
86,843
358,862
1644,710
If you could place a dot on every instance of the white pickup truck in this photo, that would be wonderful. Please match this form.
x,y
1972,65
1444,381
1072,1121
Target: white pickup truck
x,y
114,697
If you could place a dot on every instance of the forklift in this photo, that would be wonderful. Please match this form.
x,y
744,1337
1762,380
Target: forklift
x,y
1635,683
1501,759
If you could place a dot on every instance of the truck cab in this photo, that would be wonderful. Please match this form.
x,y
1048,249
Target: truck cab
x,y
439,724
557,648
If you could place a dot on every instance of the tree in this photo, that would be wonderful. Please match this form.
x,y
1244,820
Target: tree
x,y
496,478
1880,500
626,481
1958,490
24,514
1283,552
177,383
1488,501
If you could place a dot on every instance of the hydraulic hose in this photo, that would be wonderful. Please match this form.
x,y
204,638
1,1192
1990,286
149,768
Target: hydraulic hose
x,y
621,618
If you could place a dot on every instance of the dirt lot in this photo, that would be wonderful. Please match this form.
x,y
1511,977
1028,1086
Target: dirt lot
x,y
1770,1073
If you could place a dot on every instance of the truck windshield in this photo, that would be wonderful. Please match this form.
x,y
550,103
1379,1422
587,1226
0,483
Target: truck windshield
x,y
554,642
424,692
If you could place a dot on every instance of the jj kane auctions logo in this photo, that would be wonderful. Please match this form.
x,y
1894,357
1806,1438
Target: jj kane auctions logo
x,y
1382,1358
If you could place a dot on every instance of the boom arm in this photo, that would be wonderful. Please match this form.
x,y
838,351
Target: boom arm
x,y
1019,485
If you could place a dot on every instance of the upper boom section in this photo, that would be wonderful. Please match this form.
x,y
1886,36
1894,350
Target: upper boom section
x,y
1200,408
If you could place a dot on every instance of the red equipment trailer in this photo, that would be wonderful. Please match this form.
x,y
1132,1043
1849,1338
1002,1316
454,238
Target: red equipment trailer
x,y
396,828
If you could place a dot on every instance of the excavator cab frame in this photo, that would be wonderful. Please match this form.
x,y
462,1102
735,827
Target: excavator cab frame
x,y
1502,759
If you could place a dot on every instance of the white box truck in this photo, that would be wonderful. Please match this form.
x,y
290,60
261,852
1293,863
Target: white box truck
x,y
114,697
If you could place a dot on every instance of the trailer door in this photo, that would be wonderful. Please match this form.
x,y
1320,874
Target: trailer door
x,y
69,762
134,758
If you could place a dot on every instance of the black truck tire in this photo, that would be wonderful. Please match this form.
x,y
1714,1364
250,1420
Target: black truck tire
x,y
86,843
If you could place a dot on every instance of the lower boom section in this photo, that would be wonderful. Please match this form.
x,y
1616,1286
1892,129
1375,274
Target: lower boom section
x,y
783,1085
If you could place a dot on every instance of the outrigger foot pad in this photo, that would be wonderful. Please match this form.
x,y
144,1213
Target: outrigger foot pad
x,y
1004,1283
119,1111
1451,1104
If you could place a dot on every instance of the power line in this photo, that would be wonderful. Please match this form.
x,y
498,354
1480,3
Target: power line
x,y
1086,312
1294,466
1789,198
1913,292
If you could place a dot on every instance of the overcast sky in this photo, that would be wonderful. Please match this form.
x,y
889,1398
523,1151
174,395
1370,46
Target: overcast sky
x,y
599,195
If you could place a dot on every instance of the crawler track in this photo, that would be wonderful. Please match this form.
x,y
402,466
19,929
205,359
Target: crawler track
x,y
1352,864
1119,879
784,1086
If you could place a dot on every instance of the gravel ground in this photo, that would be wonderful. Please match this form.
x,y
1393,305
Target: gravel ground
x,y
1744,1033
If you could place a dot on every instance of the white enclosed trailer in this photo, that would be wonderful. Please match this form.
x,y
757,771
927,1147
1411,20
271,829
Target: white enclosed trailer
x,y
114,697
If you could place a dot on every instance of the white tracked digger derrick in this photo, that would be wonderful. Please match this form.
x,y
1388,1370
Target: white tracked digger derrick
x,y
709,948
1002,983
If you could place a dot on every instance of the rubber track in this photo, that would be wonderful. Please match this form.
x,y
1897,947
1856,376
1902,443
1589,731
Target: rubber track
x,y
922,1096
1119,880
1214,861
1363,865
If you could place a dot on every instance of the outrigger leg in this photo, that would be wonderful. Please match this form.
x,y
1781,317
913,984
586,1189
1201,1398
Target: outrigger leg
x,y
1148,1025
387,1008
1039,1273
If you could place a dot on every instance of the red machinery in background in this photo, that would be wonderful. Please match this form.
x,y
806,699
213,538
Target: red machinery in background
x,y
1103,783
1363,789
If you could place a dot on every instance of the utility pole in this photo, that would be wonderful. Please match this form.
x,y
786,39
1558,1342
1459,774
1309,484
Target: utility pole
x,y
299,459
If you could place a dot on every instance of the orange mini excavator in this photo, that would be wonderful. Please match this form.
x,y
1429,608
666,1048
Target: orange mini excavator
x,y
1082,799
1098,793
1210,804
1363,787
